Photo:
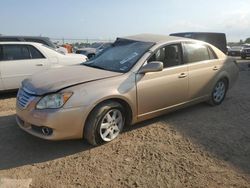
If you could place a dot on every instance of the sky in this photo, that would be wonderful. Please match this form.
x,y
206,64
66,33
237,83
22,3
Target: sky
x,y
108,19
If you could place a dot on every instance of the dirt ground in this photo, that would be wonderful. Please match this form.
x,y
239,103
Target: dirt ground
x,y
200,146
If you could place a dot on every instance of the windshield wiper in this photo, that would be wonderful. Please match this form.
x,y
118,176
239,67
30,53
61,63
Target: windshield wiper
x,y
94,66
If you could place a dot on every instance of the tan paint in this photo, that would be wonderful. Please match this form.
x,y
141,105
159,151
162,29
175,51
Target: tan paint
x,y
148,95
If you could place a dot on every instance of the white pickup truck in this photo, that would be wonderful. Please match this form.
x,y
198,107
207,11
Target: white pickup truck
x,y
20,60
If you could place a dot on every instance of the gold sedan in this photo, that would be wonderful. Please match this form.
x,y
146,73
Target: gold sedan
x,y
137,78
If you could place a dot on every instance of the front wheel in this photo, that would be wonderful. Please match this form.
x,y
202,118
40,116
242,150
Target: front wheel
x,y
219,92
105,123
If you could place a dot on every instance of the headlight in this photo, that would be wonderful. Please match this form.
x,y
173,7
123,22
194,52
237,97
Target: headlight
x,y
53,101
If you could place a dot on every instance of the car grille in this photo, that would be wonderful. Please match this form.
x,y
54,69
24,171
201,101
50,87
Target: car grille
x,y
24,97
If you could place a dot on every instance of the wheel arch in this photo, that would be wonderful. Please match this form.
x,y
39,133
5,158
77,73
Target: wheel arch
x,y
227,80
125,103
223,75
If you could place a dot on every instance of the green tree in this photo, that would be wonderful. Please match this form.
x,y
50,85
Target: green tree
x,y
247,40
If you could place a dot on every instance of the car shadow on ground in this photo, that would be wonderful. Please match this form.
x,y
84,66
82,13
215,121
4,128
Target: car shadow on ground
x,y
222,135
226,139
7,95
18,148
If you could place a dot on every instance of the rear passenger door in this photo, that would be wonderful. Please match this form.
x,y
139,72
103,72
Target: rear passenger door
x,y
19,62
201,61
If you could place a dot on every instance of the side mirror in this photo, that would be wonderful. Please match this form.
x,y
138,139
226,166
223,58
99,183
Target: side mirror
x,y
154,66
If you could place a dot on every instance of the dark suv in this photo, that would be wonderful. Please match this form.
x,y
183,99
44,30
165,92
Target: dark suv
x,y
42,40
217,39
245,52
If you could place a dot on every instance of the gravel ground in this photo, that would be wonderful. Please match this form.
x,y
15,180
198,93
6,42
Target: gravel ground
x,y
200,146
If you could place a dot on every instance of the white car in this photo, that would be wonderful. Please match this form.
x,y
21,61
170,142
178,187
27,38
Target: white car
x,y
20,60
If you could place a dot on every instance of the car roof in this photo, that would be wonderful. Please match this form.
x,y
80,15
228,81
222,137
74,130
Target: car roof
x,y
20,42
155,38
25,37
39,39
200,33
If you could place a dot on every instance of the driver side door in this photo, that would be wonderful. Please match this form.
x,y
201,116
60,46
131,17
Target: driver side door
x,y
159,91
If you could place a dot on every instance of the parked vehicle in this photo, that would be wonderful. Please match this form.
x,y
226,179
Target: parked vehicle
x,y
93,49
42,40
19,60
217,39
245,52
235,51
138,78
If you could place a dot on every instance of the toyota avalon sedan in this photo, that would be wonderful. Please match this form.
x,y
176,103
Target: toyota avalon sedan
x,y
137,78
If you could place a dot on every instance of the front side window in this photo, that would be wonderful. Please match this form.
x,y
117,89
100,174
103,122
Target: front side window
x,y
15,52
170,55
196,52
121,56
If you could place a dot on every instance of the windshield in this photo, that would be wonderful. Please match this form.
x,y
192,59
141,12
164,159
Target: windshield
x,y
121,56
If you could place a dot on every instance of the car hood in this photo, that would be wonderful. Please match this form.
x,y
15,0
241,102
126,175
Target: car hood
x,y
75,56
56,79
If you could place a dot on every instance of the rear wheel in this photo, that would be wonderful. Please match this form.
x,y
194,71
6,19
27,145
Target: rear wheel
x,y
219,92
105,123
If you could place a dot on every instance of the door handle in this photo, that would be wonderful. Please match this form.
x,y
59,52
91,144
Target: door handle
x,y
215,68
183,75
40,64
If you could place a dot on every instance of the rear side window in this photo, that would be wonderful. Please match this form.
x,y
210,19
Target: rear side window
x,y
196,52
15,52
212,54
35,53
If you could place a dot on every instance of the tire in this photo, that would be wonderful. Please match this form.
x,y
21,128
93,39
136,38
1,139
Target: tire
x,y
219,92
104,123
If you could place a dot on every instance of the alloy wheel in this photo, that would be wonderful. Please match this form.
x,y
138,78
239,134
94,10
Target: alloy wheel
x,y
219,91
111,125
